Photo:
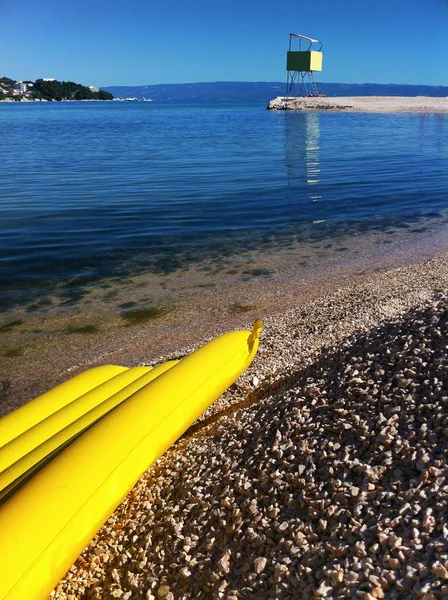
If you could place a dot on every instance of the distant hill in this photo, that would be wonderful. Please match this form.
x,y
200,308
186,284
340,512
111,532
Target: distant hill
x,y
49,90
236,91
66,90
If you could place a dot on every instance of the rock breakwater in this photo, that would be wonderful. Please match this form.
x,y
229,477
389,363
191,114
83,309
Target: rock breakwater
x,y
373,104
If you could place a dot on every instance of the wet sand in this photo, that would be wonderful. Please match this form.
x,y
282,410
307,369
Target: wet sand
x,y
369,104
150,317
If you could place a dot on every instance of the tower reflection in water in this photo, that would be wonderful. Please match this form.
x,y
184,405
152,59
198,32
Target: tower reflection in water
x,y
302,139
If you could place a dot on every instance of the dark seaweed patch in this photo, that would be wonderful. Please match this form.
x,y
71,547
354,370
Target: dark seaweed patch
x,y
33,308
401,225
10,325
5,386
83,280
237,309
74,297
111,294
257,272
216,270
128,305
142,315
43,303
13,352
166,267
82,329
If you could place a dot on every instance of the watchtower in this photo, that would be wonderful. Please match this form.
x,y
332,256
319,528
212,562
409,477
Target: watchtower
x,y
301,65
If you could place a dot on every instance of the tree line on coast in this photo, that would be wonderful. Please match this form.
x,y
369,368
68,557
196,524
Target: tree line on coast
x,y
50,90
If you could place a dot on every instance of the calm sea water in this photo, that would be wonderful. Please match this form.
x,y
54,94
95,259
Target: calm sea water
x,y
90,191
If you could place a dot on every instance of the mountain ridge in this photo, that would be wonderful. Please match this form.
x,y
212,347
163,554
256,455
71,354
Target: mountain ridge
x,y
244,91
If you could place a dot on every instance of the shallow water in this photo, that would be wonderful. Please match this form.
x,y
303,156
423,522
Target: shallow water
x,y
93,195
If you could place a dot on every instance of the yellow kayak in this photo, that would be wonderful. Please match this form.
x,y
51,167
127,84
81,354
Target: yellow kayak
x,y
47,523
42,407
22,457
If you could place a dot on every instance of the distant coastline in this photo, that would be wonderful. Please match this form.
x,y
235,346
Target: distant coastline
x,y
33,100
48,90
227,92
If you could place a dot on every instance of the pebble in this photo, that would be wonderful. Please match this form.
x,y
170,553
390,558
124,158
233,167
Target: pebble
x,y
259,564
440,571
323,591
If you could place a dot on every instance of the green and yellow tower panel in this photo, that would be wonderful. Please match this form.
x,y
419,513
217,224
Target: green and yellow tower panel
x,y
301,66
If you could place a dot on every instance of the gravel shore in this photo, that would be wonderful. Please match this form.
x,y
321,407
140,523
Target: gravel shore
x,y
372,104
321,473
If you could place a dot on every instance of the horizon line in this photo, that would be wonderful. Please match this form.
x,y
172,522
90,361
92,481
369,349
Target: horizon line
x,y
273,82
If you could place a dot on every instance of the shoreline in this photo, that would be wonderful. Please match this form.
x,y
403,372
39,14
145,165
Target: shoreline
x,y
53,344
366,104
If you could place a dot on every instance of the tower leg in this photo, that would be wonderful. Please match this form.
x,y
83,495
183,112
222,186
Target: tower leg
x,y
300,83
313,85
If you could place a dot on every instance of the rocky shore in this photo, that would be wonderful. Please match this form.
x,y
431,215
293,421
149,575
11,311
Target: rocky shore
x,y
322,473
370,104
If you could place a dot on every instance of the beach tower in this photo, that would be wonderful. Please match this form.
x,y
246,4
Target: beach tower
x,y
301,65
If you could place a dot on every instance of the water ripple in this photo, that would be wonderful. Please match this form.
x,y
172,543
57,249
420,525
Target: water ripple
x,y
106,185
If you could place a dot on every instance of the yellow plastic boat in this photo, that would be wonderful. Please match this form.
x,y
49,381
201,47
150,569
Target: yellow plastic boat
x,y
42,407
23,456
47,523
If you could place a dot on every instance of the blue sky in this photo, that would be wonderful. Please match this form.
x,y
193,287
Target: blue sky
x,y
138,42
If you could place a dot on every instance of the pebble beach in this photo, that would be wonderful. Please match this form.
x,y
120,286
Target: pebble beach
x,y
320,473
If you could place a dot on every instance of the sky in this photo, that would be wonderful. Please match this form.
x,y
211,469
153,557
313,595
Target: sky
x,y
144,42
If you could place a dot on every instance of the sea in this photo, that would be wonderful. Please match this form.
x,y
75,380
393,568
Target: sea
x,y
95,195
